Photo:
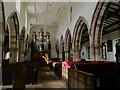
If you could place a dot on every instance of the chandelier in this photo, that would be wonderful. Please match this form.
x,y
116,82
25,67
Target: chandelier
x,y
42,41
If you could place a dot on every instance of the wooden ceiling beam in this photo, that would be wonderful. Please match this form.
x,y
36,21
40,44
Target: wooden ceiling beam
x,y
111,20
110,25
109,31
113,8
112,14
118,5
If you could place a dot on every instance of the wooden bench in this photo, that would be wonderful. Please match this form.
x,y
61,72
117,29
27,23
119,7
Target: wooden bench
x,y
6,73
56,66
93,75
31,72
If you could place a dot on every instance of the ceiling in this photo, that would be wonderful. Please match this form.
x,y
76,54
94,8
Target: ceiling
x,y
112,19
45,13
110,24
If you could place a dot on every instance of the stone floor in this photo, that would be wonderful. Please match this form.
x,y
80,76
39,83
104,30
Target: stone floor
x,y
46,79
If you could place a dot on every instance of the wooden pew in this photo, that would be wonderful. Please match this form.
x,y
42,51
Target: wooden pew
x,y
56,65
31,72
6,72
93,75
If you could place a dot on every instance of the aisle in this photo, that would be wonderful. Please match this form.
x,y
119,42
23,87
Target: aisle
x,y
47,79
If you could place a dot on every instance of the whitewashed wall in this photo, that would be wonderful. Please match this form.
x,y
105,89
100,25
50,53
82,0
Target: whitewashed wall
x,y
84,49
110,55
112,36
11,7
84,9
52,30
21,16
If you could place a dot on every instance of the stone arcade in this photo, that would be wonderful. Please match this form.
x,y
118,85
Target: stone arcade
x,y
60,44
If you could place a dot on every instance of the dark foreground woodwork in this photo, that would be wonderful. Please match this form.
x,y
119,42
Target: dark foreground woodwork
x,y
19,74
93,76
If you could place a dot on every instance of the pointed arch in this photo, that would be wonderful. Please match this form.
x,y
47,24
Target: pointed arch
x,y
68,45
96,29
13,27
67,39
77,35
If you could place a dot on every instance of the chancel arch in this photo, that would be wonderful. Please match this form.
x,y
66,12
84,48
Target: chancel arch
x,y
105,30
68,45
81,40
13,27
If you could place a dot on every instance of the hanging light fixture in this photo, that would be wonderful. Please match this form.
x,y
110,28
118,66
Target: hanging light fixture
x,y
43,41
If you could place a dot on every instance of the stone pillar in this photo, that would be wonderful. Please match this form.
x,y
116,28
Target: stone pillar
x,y
92,48
21,51
1,38
12,42
97,52
13,55
60,52
92,51
75,55
22,45
57,49
66,56
74,51
67,53
1,31
26,49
